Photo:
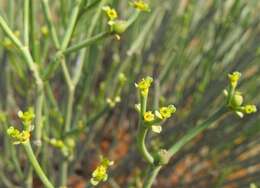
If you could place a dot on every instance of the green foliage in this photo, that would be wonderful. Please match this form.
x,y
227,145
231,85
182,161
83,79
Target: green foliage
x,y
76,62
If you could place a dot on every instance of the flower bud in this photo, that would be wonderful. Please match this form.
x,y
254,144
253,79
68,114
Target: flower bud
x,y
118,26
237,100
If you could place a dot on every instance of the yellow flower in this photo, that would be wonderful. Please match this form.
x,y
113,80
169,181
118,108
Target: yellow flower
x,y
111,13
166,112
19,137
27,116
141,5
100,173
233,78
148,116
249,109
144,85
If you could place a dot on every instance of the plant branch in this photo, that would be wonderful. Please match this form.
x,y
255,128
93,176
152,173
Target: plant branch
x,y
51,27
36,165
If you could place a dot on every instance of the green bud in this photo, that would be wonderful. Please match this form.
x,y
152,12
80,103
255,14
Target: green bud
x,y
237,100
118,26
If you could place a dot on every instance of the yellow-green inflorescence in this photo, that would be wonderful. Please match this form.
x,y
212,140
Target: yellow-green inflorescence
x,y
236,99
21,137
234,77
141,5
100,173
153,118
144,85
117,26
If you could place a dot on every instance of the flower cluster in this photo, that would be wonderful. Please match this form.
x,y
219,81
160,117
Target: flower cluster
x,y
150,118
20,137
23,136
100,173
141,5
117,26
165,112
144,85
235,98
26,117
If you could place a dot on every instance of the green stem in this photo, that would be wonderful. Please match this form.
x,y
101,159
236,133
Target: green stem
x,y
141,134
86,42
51,27
23,49
197,130
151,176
72,23
65,163
38,117
26,22
36,165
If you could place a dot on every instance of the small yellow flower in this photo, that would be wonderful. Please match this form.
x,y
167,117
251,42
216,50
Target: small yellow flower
x,y
140,5
144,85
24,136
26,117
19,137
249,109
111,13
166,112
148,116
233,78
100,173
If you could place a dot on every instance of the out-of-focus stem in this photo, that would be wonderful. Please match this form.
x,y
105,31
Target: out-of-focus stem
x,y
51,27
151,176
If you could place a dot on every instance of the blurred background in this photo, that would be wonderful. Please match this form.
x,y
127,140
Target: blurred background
x,y
187,46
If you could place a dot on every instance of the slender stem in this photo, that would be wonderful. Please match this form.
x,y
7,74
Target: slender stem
x,y
141,134
197,130
133,18
23,49
38,117
151,176
32,40
66,73
86,42
26,22
36,165
51,27
65,164
69,110
72,23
